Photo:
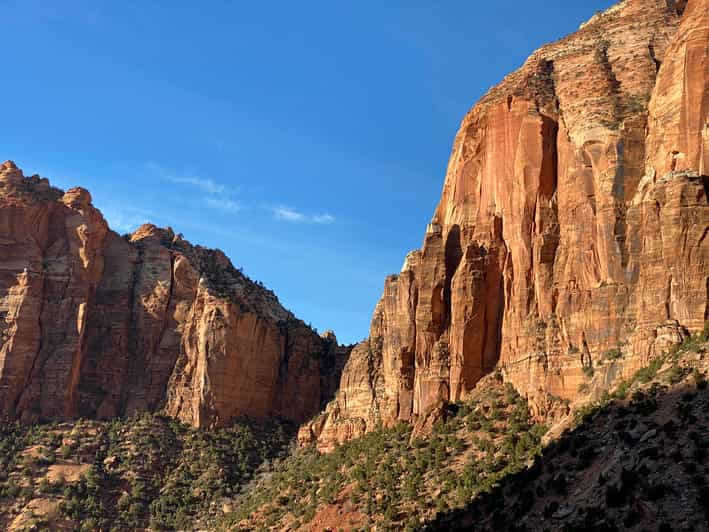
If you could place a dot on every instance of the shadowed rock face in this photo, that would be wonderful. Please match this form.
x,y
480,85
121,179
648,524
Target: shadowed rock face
x,y
572,222
97,325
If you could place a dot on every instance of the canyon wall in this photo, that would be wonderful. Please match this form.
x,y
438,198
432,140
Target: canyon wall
x,y
569,245
93,324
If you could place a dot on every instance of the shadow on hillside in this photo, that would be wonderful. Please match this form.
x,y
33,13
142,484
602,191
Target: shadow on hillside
x,y
637,464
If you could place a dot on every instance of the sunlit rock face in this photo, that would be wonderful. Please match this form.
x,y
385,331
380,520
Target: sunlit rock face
x,y
572,223
93,324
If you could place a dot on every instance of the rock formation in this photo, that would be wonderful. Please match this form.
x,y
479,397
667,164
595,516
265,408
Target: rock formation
x,y
93,324
571,229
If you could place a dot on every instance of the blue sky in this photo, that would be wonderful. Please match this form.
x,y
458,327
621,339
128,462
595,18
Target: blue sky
x,y
308,140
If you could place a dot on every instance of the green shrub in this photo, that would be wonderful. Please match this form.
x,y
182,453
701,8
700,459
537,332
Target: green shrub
x,y
704,335
45,486
621,391
645,403
613,354
676,374
649,372
11,490
700,379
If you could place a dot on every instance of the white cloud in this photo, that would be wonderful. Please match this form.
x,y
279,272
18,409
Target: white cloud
x,y
207,185
323,218
289,214
218,197
223,204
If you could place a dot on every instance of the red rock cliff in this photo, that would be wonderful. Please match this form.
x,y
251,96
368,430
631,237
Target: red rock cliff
x,y
96,325
571,229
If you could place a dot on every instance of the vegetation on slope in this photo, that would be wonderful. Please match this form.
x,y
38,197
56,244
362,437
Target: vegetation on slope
x,y
389,480
636,460
482,467
149,471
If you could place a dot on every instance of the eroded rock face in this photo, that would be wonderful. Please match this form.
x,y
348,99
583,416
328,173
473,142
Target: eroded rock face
x,y
96,325
572,225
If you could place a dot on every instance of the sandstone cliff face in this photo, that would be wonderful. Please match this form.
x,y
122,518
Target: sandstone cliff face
x,y
571,229
96,325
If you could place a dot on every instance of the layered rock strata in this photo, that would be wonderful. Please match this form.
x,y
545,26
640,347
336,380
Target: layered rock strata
x,y
570,242
93,324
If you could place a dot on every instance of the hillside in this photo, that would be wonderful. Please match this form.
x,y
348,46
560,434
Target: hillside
x,y
636,458
147,471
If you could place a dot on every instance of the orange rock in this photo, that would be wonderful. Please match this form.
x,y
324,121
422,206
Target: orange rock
x,y
95,325
678,138
572,222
